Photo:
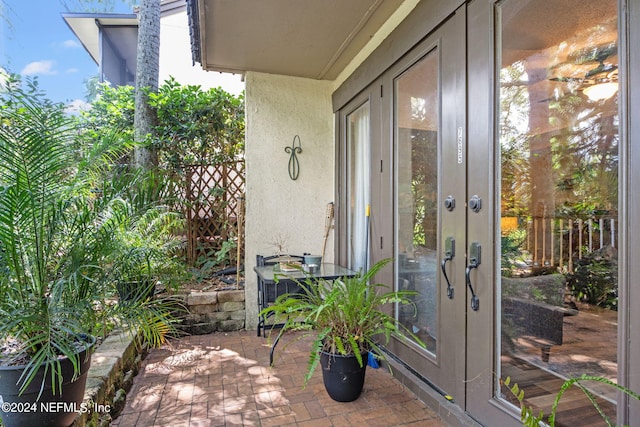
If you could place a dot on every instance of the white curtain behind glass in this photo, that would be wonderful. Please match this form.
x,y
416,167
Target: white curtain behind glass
x,y
359,149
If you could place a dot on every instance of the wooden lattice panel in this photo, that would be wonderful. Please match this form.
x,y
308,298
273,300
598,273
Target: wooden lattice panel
x,y
211,207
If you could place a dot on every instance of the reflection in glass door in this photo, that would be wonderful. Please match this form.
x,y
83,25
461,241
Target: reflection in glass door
x,y
417,117
558,130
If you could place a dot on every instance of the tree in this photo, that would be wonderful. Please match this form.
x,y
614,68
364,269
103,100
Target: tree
x,y
147,71
197,126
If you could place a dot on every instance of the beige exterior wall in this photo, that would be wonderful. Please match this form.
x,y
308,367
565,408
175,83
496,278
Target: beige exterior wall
x,y
278,208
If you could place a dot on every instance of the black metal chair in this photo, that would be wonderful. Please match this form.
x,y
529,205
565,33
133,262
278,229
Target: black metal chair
x,y
276,259
268,293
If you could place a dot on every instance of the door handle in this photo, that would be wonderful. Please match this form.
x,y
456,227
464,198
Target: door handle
x,y
449,253
474,262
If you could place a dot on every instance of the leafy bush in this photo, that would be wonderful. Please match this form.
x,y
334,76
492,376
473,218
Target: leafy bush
x,y
595,281
194,126
511,244
529,419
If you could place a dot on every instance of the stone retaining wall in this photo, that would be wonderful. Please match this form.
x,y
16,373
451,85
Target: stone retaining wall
x,y
214,311
114,364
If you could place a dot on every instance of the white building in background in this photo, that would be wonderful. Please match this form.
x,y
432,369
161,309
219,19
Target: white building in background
x,y
111,41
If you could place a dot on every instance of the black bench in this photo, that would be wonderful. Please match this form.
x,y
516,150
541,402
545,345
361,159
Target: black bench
x,y
533,309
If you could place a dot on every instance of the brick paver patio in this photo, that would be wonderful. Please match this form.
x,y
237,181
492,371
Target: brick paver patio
x,y
224,379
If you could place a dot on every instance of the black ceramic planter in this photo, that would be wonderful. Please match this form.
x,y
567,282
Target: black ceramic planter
x,y
343,377
59,410
136,291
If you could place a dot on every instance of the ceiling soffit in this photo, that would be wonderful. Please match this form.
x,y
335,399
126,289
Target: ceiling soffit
x,y
303,38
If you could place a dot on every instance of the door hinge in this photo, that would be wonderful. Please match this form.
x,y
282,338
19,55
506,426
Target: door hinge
x,y
381,91
381,242
380,166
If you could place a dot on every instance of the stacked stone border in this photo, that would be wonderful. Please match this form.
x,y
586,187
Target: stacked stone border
x,y
215,311
114,364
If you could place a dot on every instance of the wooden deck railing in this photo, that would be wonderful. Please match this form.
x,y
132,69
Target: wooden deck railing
x,y
559,242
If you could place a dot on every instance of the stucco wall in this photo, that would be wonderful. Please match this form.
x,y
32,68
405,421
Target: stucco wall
x,y
278,208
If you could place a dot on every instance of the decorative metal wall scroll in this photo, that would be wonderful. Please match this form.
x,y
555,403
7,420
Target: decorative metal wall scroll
x,y
294,164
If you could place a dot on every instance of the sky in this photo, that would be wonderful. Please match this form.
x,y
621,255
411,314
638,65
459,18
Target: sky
x,y
35,41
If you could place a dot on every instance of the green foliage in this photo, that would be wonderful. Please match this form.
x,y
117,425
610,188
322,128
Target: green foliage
x,y
56,233
146,242
529,419
207,263
595,281
112,110
194,126
511,253
145,247
344,316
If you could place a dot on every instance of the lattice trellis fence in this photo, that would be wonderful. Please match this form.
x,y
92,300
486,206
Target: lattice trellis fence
x,y
212,208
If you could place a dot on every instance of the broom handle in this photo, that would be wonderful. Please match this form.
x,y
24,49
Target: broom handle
x,y
327,227
240,219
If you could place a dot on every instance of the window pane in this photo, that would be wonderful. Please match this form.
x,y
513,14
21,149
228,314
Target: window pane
x,y
416,118
558,124
359,179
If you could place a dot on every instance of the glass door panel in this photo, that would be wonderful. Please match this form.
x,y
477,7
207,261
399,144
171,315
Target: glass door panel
x,y
416,107
558,136
358,186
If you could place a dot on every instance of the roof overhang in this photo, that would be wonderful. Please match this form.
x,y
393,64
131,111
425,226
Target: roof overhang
x,y
111,40
303,38
86,27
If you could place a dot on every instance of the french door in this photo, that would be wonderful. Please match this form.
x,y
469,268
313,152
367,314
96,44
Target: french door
x,y
550,293
489,172
426,92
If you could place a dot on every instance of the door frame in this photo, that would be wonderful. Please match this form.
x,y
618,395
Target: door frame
x,y
445,369
629,177
480,134
482,328
342,167
482,403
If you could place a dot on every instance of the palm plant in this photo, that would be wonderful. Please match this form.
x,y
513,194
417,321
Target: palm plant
x,y
146,248
528,417
54,238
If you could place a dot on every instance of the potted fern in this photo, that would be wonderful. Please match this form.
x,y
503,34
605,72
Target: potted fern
x,y
55,235
347,322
